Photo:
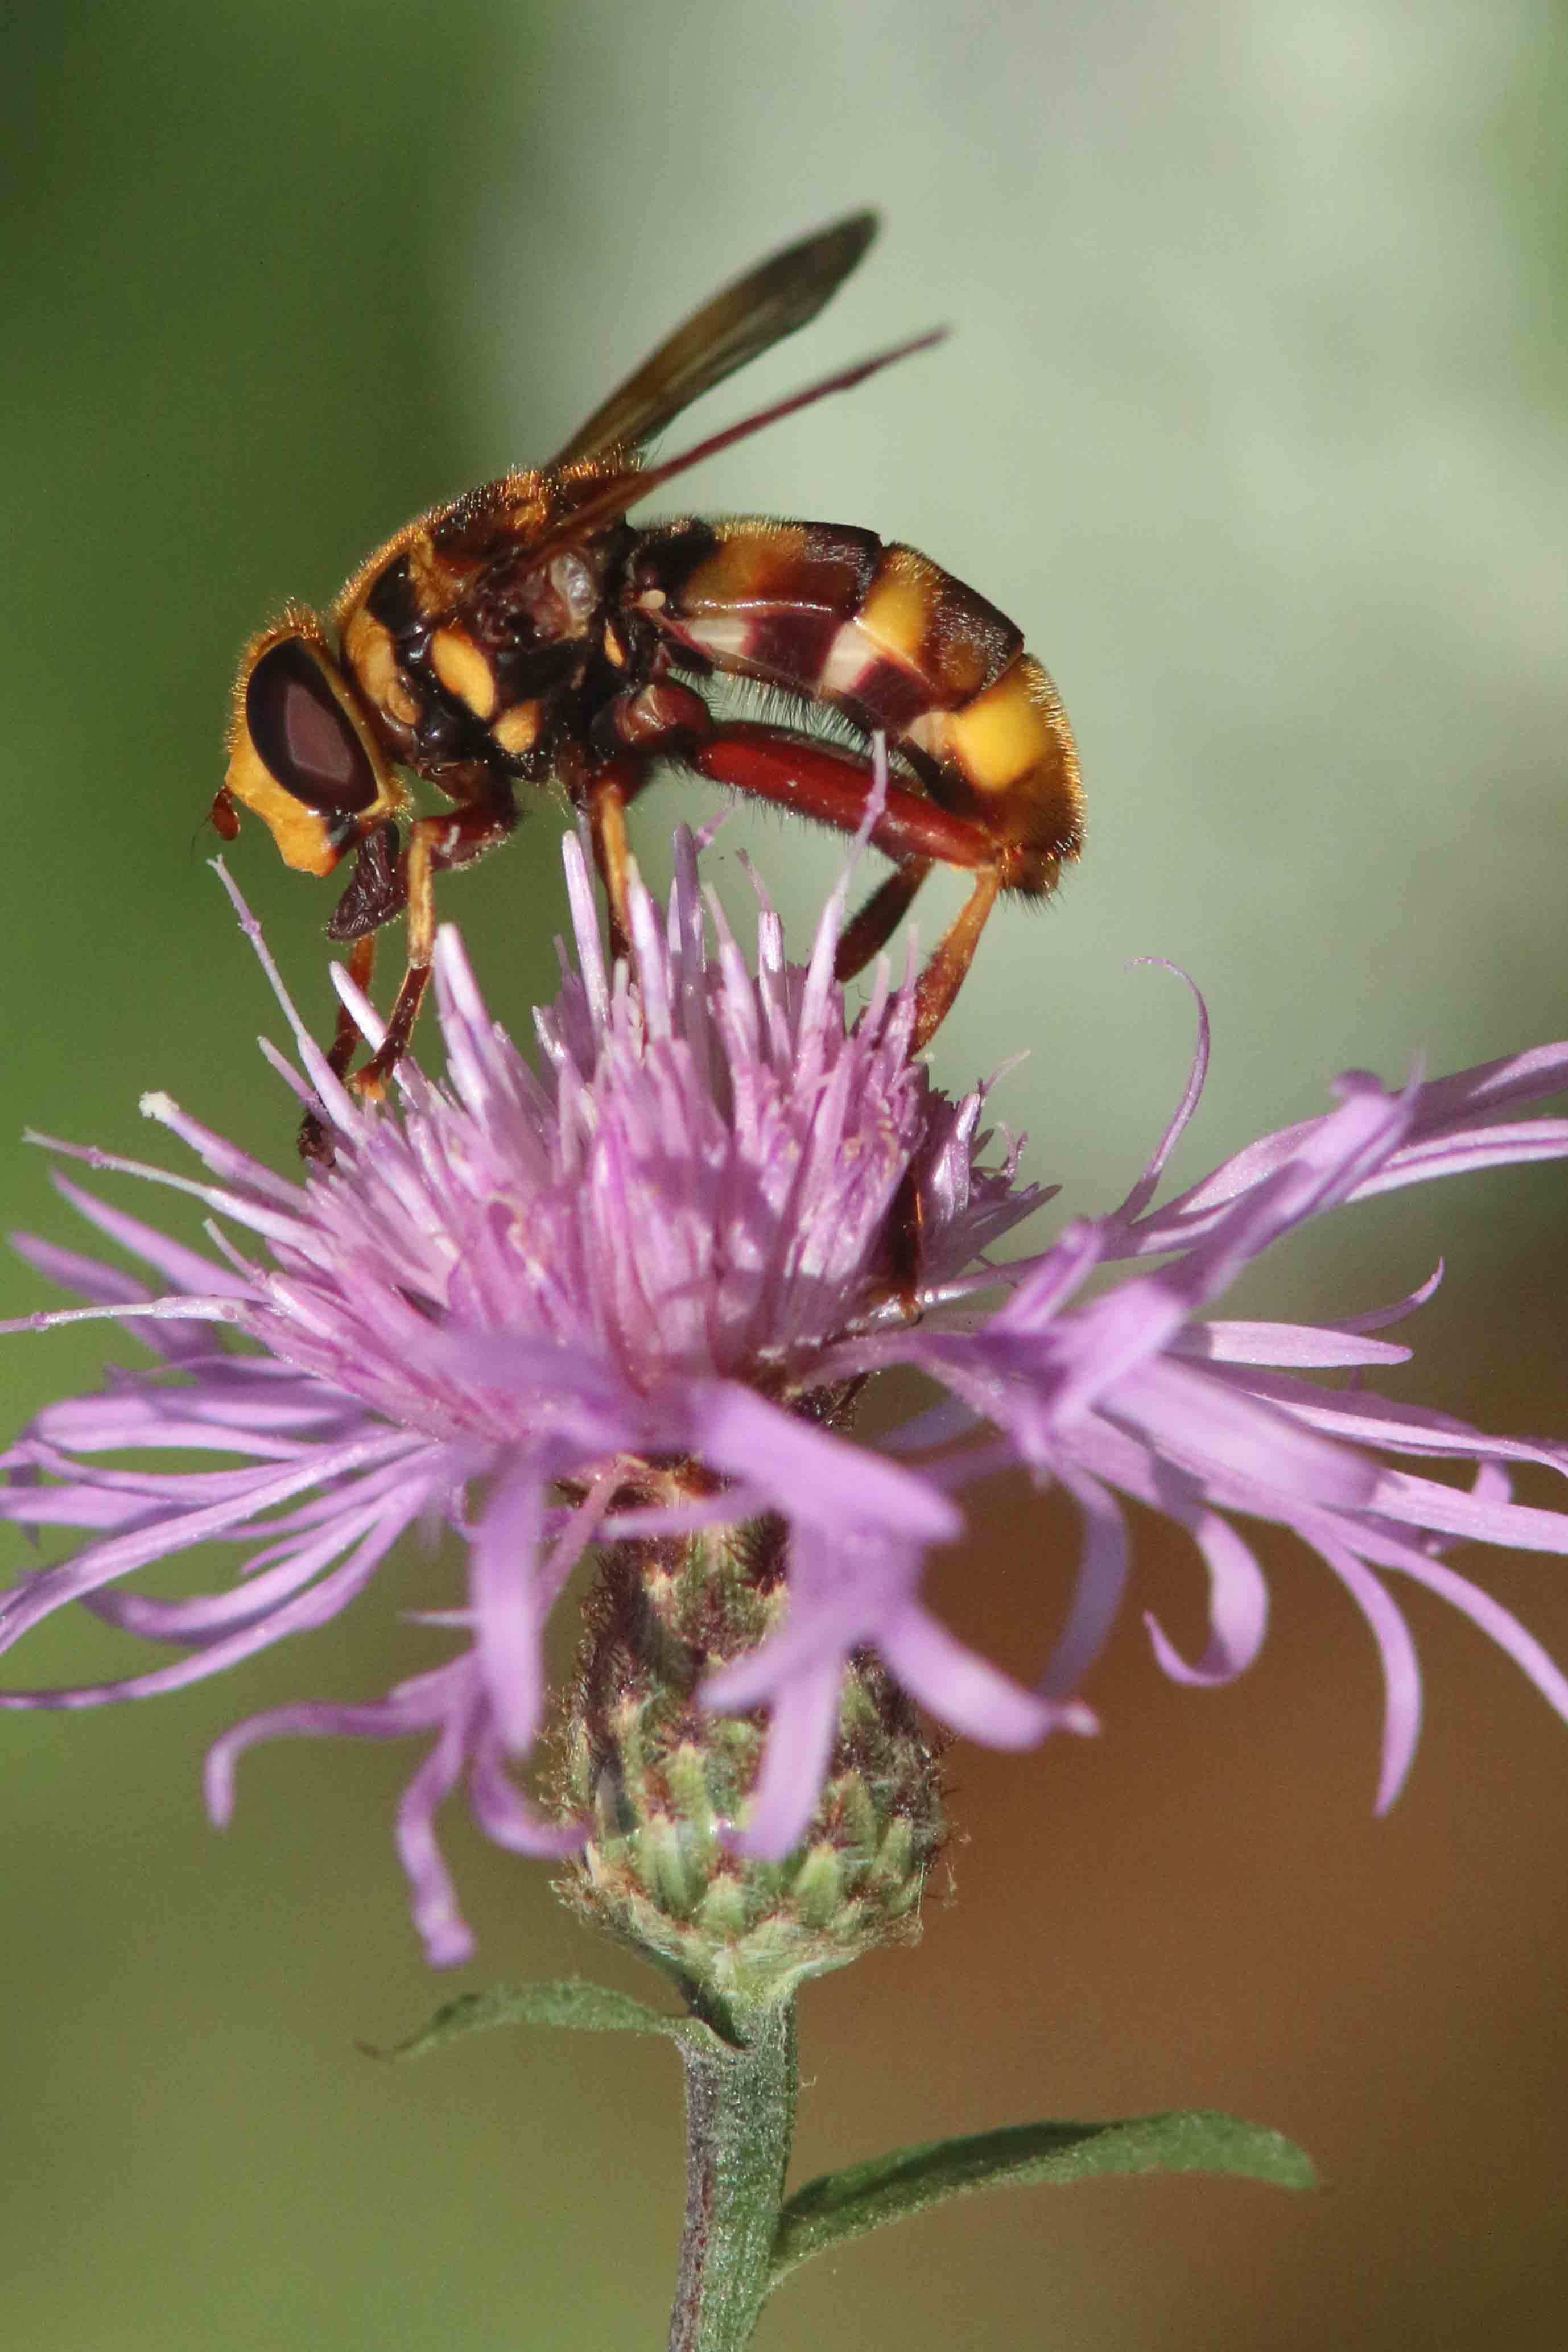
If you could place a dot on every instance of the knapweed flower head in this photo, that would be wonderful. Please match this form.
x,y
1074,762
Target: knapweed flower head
x,y
625,1291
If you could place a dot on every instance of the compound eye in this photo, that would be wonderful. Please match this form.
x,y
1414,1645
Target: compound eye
x,y
303,735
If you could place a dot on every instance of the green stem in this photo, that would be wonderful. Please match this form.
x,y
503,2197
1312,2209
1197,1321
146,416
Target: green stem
x,y
740,2120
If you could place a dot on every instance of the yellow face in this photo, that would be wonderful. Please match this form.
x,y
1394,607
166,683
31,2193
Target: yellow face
x,y
302,750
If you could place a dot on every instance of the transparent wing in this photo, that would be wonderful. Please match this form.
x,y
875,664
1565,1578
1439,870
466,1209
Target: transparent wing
x,y
782,293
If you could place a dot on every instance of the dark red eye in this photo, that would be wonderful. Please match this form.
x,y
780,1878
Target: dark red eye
x,y
301,733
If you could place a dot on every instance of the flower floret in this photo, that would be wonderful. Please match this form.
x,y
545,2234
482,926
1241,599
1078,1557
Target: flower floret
x,y
627,1288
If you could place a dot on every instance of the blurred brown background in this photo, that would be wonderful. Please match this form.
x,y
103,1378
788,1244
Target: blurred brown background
x,y
1254,417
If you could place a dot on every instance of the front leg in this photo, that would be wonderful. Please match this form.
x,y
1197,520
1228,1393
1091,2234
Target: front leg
x,y
382,885
436,844
314,1136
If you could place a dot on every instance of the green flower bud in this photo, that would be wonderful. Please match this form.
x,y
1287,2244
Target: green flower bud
x,y
663,1779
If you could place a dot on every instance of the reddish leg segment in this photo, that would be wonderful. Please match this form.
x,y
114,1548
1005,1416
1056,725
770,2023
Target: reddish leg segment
x,y
867,932
833,786
346,1036
314,1138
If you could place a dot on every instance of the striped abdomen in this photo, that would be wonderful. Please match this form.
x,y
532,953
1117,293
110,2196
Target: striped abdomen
x,y
884,635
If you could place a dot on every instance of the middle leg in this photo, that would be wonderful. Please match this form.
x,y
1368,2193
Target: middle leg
x,y
608,791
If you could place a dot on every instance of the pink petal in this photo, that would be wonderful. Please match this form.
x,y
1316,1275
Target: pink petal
x,y
1238,1609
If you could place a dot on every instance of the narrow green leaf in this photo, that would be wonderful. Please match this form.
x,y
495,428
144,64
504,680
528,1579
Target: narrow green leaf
x,y
843,2205
585,2008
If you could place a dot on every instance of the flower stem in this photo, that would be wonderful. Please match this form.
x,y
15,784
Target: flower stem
x,y
741,2085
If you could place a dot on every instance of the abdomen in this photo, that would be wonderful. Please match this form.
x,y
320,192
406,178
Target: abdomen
x,y
881,632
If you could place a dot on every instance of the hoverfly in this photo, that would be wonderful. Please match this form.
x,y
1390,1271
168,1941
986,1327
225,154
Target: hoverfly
x,y
529,632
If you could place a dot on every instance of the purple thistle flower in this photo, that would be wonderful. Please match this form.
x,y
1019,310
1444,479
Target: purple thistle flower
x,y
632,1274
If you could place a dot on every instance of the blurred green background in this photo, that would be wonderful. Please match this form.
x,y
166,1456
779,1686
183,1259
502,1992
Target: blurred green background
x,y
1254,418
